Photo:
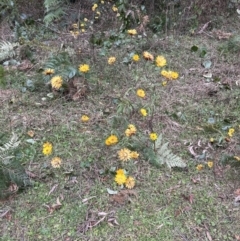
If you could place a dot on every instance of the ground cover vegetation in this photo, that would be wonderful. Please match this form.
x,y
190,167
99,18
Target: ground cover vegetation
x,y
120,119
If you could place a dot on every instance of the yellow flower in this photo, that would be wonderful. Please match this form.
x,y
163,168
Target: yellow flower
x,y
174,75
210,164
85,19
82,25
84,68
124,154
94,7
153,136
143,112
102,2
83,30
148,56
111,140
141,93
114,8
120,172
130,182
134,154
98,13
135,57
85,118
160,61
230,132
199,167
48,71
130,130
47,148
211,140
237,158
56,162
120,179
164,83
30,133
56,82
132,31
75,25
111,60
74,33
164,73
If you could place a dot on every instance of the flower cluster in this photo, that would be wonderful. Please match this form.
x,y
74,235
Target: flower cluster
x,y
121,178
111,140
125,154
171,75
201,166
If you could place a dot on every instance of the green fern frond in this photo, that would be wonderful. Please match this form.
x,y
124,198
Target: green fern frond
x,y
165,156
7,50
162,155
54,10
11,170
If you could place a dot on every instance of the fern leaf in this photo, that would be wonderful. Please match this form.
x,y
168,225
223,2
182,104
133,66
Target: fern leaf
x,y
7,50
165,156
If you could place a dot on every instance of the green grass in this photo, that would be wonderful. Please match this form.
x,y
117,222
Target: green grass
x,y
179,204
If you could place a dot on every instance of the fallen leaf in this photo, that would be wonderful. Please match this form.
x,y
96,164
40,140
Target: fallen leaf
x,y
53,189
188,198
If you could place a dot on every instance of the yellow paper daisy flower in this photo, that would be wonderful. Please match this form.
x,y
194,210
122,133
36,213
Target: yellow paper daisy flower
x,y
148,56
130,130
120,172
174,75
94,7
120,179
153,136
210,164
130,182
141,93
230,132
47,148
124,154
135,57
56,162
143,112
48,71
85,118
132,31
111,60
199,167
111,140
56,82
114,8
160,61
84,68
134,154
